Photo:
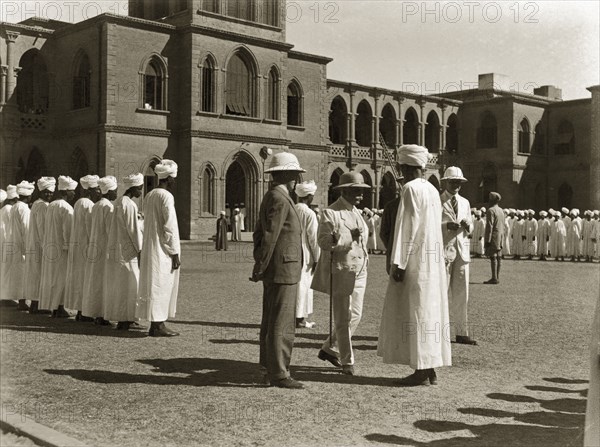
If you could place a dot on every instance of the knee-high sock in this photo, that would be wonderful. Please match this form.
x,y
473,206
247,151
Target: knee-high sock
x,y
498,264
494,262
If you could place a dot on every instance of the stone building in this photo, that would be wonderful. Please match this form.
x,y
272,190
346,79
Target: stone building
x,y
213,84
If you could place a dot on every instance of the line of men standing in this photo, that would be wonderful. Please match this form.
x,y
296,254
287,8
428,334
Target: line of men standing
x,y
98,257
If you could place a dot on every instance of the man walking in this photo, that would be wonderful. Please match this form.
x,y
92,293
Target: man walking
x,y
494,236
278,264
456,226
161,249
343,235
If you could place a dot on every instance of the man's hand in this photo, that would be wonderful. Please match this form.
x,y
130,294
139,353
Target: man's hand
x,y
256,274
314,267
356,233
452,226
175,262
464,224
398,273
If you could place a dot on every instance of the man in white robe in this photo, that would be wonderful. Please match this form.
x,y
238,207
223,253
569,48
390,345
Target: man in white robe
x,y
55,249
242,217
159,268
558,237
80,237
510,216
372,225
478,233
543,235
236,228
415,325
17,244
456,226
567,221
574,236
5,250
587,236
596,233
519,235
95,262
531,234
35,240
124,249
310,249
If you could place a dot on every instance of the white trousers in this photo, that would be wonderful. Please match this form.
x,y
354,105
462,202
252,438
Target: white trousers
x,y
458,295
347,312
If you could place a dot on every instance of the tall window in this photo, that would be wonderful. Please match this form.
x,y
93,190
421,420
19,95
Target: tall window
x,y
81,83
240,93
294,105
208,191
154,86
211,5
452,134
270,12
487,133
241,9
273,95
565,142
539,142
338,121
207,86
410,131
524,137
32,84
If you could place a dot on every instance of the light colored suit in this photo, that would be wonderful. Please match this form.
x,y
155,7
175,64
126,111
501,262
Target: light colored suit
x,y
458,257
350,260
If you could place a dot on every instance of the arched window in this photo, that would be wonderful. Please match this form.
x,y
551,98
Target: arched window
x,y
154,82
81,83
240,88
367,201
363,129
432,132
387,126
333,194
273,95
338,121
565,195
36,166
487,133
524,137
489,181
452,134
32,84
295,105
208,191
565,142
539,140
410,132
208,88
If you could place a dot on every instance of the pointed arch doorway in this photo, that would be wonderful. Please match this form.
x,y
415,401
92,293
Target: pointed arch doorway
x,y
242,186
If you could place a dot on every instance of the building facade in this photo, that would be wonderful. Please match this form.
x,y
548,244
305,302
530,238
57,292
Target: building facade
x,y
214,85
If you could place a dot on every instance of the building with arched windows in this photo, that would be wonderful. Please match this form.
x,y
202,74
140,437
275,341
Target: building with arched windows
x,y
212,84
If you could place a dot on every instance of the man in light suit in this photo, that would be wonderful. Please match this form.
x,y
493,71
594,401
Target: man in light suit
x,y
456,226
494,236
278,264
343,234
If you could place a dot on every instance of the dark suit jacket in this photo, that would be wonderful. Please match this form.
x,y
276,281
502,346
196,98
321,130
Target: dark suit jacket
x,y
278,239
494,228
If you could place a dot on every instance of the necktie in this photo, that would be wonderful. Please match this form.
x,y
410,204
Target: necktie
x,y
454,203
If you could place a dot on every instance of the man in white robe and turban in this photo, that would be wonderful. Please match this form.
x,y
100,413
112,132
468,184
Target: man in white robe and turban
x,y
10,199
543,235
305,192
124,248
80,237
574,232
95,262
159,268
415,325
35,240
17,244
558,238
57,236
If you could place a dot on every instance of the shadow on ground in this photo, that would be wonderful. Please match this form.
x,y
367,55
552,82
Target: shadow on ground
x,y
561,424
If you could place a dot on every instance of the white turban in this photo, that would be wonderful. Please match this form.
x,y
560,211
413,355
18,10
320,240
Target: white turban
x,y
107,183
166,168
2,195
66,183
306,188
575,211
413,155
48,183
543,213
11,192
25,188
89,181
132,180
565,210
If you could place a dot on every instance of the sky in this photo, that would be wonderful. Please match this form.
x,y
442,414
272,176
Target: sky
x,y
421,46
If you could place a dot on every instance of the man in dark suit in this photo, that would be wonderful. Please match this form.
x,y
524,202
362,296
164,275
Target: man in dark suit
x,y
278,263
494,236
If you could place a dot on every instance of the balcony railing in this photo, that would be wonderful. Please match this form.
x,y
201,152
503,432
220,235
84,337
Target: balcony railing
x,y
33,122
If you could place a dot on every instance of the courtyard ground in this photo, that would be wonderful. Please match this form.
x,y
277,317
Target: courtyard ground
x,y
524,385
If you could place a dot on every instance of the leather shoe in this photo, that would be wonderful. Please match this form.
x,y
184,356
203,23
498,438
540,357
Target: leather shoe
x,y
465,340
491,281
325,356
418,378
288,382
432,377
161,331
123,325
99,321
348,370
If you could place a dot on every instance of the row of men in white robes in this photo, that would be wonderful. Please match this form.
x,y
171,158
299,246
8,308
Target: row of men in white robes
x,y
87,258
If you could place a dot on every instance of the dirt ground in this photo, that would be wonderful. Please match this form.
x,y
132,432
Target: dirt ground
x,y
524,385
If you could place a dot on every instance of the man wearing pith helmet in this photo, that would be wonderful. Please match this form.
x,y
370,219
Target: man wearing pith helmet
x,y
278,264
456,226
343,235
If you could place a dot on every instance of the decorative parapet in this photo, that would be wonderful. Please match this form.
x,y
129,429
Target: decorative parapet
x,y
33,122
